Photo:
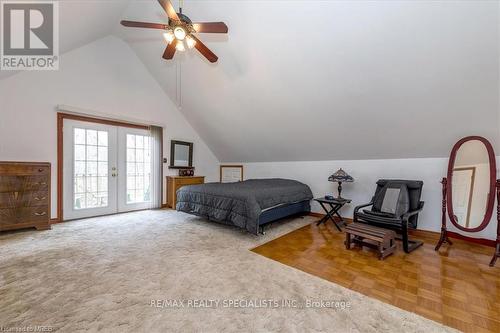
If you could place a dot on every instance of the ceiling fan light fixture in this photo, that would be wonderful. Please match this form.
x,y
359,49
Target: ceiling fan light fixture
x,y
180,46
169,37
180,29
179,33
190,42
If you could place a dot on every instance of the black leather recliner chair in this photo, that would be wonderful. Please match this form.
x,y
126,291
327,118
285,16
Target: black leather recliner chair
x,y
400,214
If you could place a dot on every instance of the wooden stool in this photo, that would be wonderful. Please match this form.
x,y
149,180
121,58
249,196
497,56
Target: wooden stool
x,y
382,239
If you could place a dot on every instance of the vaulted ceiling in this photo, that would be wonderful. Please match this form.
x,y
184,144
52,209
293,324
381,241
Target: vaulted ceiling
x,y
84,21
321,80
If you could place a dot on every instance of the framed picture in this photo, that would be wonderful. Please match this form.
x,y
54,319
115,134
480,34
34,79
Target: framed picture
x,y
231,173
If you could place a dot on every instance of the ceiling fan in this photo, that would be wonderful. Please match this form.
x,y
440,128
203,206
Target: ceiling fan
x,y
180,29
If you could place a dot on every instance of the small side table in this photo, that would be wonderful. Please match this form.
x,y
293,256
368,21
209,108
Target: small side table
x,y
334,205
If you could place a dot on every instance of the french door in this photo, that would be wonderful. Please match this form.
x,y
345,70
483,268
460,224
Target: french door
x,y
107,169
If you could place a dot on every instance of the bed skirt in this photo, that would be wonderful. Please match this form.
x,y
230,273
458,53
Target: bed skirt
x,y
280,212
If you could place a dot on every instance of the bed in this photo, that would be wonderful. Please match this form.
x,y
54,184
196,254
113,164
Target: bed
x,y
249,205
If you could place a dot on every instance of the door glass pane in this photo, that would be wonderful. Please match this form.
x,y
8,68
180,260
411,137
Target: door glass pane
x,y
90,176
91,137
91,168
91,153
102,184
102,138
138,169
80,152
79,136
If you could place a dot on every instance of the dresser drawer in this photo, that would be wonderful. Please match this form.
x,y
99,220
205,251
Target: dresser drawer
x,y
24,169
24,195
189,181
24,199
23,215
23,183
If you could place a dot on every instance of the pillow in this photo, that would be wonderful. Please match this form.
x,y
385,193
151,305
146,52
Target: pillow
x,y
393,200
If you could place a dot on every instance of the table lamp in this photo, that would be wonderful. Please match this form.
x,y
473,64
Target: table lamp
x,y
340,177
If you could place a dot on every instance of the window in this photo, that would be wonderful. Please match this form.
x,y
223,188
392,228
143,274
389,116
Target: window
x,y
138,168
91,168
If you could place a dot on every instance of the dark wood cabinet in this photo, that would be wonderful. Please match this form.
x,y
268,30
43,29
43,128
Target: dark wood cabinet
x,y
24,195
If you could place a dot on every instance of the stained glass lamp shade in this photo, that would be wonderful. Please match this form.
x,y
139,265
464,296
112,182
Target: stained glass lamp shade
x,y
340,177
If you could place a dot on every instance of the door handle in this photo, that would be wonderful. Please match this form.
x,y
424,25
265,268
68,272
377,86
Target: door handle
x,y
41,214
39,199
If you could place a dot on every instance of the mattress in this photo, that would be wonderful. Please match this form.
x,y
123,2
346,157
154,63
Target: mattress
x,y
240,204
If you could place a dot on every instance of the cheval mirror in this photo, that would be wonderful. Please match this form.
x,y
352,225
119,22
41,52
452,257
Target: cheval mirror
x,y
470,188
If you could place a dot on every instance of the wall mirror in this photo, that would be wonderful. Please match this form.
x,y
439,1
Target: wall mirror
x,y
470,188
181,155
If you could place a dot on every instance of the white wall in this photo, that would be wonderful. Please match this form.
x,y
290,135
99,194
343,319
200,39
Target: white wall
x,y
105,76
366,173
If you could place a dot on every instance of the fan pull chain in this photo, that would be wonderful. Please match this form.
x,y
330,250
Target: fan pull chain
x,y
180,85
179,70
178,76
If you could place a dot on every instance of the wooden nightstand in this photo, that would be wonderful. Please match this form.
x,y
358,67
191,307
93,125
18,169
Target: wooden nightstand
x,y
176,182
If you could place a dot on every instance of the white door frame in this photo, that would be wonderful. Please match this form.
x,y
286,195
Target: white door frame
x,y
69,212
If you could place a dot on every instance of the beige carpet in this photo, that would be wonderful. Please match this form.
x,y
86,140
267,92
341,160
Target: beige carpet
x,y
102,273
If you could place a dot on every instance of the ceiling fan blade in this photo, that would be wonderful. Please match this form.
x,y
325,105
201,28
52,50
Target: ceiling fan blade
x,y
204,50
135,24
169,9
211,27
170,50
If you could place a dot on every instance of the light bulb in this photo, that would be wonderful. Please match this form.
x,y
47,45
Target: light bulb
x,y
180,33
190,42
169,37
180,46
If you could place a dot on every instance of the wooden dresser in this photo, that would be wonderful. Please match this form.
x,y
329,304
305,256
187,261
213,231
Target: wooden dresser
x,y
176,182
24,195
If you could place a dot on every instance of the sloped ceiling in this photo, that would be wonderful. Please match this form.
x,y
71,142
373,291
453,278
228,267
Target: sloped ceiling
x,y
323,80
84,21
320,80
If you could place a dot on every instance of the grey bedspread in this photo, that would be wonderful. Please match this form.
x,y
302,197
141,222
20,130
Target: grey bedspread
x,y
241,203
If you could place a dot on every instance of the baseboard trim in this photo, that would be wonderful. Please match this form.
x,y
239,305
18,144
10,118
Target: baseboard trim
x,y
436,234
482,241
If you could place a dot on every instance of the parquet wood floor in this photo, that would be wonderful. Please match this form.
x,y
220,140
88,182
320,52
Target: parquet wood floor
x,y
454,286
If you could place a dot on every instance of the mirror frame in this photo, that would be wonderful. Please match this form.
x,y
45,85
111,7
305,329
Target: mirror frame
x,y
172,154
493,176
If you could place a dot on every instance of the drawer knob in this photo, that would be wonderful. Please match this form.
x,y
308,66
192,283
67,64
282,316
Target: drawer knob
x,y
42,183
41,214
40,170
